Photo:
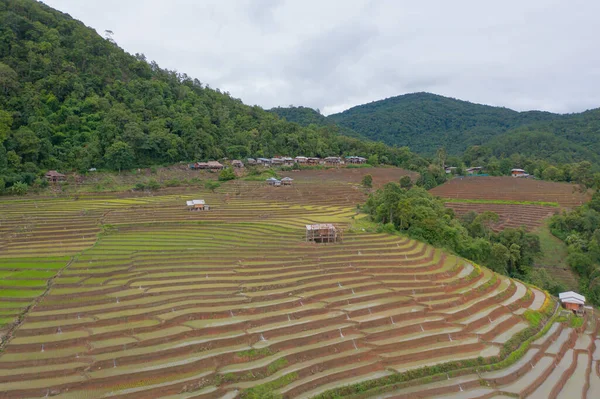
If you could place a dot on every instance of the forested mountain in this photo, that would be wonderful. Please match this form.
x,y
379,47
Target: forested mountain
x,y
425,122
306,116
71,100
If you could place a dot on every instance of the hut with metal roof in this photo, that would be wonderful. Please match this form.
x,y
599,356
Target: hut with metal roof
x,y
197,205
572,301
271,181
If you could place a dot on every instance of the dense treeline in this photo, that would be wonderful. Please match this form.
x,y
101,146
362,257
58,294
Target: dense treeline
x,y
424,217
72,100
305,116
580,230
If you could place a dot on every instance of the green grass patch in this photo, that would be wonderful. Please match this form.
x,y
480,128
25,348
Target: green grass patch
x,y
10,293
34,274
277,365
22,283
6,320
32,265
255,353
267,390
500,202
533,317
575,321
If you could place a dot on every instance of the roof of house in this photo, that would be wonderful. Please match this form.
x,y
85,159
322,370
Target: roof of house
x,y
272,179
53,173
321,226
571,297
287,179
214,163
195,202
518,170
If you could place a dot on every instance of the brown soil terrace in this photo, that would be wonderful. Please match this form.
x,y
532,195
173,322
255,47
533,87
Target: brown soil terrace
x,y
179,304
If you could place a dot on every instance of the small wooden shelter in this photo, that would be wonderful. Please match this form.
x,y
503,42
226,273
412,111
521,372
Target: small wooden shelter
x,y
236,163
197,205
324,232
271,181
53,176
572,301
287,181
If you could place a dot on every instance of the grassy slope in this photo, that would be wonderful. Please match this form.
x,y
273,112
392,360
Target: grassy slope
x,y
554,258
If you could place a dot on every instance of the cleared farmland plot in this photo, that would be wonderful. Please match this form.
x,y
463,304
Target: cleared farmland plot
x,y
505,188
171,303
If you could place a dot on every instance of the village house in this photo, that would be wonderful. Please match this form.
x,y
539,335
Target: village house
x,y
287,181
332,160
288,161
313,161
572,301
356,160
197,205
301,160
251,161
215,165
449,169
324,232
237,163
263,162
474,170
518,173
277,161
54,177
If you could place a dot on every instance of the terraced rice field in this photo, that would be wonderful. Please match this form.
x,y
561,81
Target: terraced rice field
x,y
170,303
509,215
505,188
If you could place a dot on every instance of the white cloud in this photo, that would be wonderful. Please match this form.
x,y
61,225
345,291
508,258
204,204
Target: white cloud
x,y
535,54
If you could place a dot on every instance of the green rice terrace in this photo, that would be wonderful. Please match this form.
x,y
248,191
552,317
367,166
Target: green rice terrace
x,y
133,296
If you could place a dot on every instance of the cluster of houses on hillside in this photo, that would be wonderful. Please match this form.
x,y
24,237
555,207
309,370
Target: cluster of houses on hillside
x,y
476,170
281,161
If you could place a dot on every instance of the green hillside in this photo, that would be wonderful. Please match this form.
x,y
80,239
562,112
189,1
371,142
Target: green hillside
x,y
72,100
425,122
306,116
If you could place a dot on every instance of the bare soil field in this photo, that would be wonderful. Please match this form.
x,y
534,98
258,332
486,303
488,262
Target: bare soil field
x,y
512,189
164,302
506,188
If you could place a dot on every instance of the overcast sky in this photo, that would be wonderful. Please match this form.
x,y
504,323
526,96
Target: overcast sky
x,y
334,54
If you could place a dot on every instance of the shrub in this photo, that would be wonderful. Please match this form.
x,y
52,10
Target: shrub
x,y
367,181
153,185
580,263
227,174
405,182
19,188
212,185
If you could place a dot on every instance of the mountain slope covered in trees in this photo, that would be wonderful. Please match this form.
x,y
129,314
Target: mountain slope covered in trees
x,y
72,100
424,122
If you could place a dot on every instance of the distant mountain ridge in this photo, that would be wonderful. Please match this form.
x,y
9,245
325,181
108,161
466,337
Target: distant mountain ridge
x,y
425,122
